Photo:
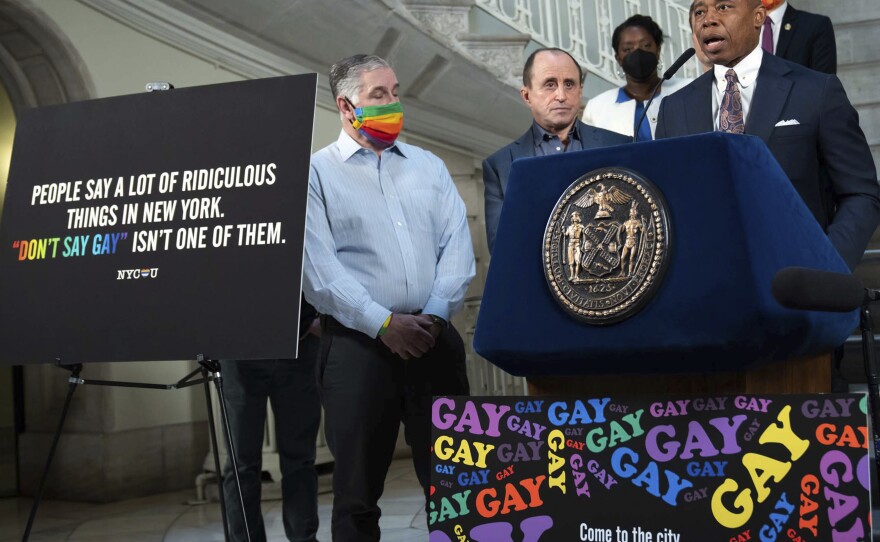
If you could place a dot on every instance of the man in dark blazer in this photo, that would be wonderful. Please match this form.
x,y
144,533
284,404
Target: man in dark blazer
x,y
803,116
802,37
552,88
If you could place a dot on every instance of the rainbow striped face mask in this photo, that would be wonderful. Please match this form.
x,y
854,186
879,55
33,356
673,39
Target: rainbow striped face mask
x,y
381,124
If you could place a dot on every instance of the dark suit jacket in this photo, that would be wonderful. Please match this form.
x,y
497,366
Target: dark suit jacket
x,y
809,40
496,168
825,156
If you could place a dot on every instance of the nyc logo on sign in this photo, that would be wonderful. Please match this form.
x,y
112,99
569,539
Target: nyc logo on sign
x,y
134,274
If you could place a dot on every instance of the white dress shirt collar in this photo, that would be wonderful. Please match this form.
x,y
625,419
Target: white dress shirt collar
x,y
746,70
776,16
747,75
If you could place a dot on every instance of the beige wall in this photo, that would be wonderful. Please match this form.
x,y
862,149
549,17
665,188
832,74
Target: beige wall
x,y
7,131
7,418
8,473
7,414
122,61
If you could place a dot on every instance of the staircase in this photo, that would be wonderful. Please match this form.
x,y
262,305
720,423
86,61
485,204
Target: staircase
x,y
857,29
498,34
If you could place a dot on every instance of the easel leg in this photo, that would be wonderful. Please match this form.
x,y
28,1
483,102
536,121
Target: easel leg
x,y
216,451
214,367
73,382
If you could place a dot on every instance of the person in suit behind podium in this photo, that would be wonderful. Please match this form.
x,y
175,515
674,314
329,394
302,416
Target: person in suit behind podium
x,y
799,36
803,116
636,43
553,89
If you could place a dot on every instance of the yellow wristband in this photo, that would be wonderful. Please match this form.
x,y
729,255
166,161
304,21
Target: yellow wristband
x,y
385,325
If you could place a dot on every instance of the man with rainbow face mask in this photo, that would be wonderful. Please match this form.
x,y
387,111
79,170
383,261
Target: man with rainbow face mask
x,y
388,258
799,36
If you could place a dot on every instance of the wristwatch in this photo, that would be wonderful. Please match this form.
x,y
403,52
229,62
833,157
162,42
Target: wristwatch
x,y
439,321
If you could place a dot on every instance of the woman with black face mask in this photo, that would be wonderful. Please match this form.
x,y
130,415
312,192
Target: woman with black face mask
x,y
636,44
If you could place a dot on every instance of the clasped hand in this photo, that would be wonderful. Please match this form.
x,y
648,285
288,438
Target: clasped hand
x,y
410,335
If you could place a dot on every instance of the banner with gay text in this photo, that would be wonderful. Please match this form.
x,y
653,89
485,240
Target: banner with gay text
x,y
600,469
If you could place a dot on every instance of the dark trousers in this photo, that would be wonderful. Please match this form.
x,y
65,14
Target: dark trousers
x,y
367,391
289,384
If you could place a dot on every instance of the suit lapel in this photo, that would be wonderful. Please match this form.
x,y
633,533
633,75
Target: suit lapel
x,y
587,134
698,104
523,147
790,20
771,93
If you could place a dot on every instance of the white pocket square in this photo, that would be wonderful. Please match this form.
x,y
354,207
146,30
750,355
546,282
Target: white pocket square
x,y
792,122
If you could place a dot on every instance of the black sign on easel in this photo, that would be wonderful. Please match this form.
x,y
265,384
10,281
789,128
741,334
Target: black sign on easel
x,y
158,226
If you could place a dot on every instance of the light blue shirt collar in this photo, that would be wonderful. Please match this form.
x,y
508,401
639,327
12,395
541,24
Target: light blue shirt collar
x,y
348,147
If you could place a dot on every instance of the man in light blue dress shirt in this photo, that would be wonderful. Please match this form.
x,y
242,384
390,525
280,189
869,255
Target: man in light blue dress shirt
x,y
388,258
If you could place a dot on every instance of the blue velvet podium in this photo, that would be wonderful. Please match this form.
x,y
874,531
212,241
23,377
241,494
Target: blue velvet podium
x,y
713,325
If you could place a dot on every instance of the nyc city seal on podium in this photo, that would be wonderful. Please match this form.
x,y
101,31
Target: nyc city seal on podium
x,y
606,245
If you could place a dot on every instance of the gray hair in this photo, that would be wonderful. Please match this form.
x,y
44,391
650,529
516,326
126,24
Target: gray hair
x,y
345,75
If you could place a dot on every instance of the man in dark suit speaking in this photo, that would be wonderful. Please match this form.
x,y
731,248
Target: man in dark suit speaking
x,y
552,88
802,115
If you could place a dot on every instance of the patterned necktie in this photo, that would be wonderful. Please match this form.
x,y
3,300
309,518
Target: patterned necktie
x,y
767,36
730,119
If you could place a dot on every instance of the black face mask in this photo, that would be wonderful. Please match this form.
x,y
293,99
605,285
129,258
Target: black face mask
x,y
640,64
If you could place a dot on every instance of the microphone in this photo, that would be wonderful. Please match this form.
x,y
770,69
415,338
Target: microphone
x,y
679,62
809,289
685,56
812,290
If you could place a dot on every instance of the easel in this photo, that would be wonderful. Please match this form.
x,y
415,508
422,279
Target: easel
x,y
209,371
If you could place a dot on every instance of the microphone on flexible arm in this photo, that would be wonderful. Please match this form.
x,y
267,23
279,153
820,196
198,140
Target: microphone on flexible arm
x,y
809,289
667,75
813,290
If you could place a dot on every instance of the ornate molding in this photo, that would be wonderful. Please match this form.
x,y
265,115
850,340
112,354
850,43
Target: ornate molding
x,y
502,55
449,22
38,63
445,21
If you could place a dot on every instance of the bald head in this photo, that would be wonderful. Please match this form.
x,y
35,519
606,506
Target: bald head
x,y
530,62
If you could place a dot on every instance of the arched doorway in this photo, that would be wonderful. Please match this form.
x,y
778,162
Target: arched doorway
x,y
38,66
